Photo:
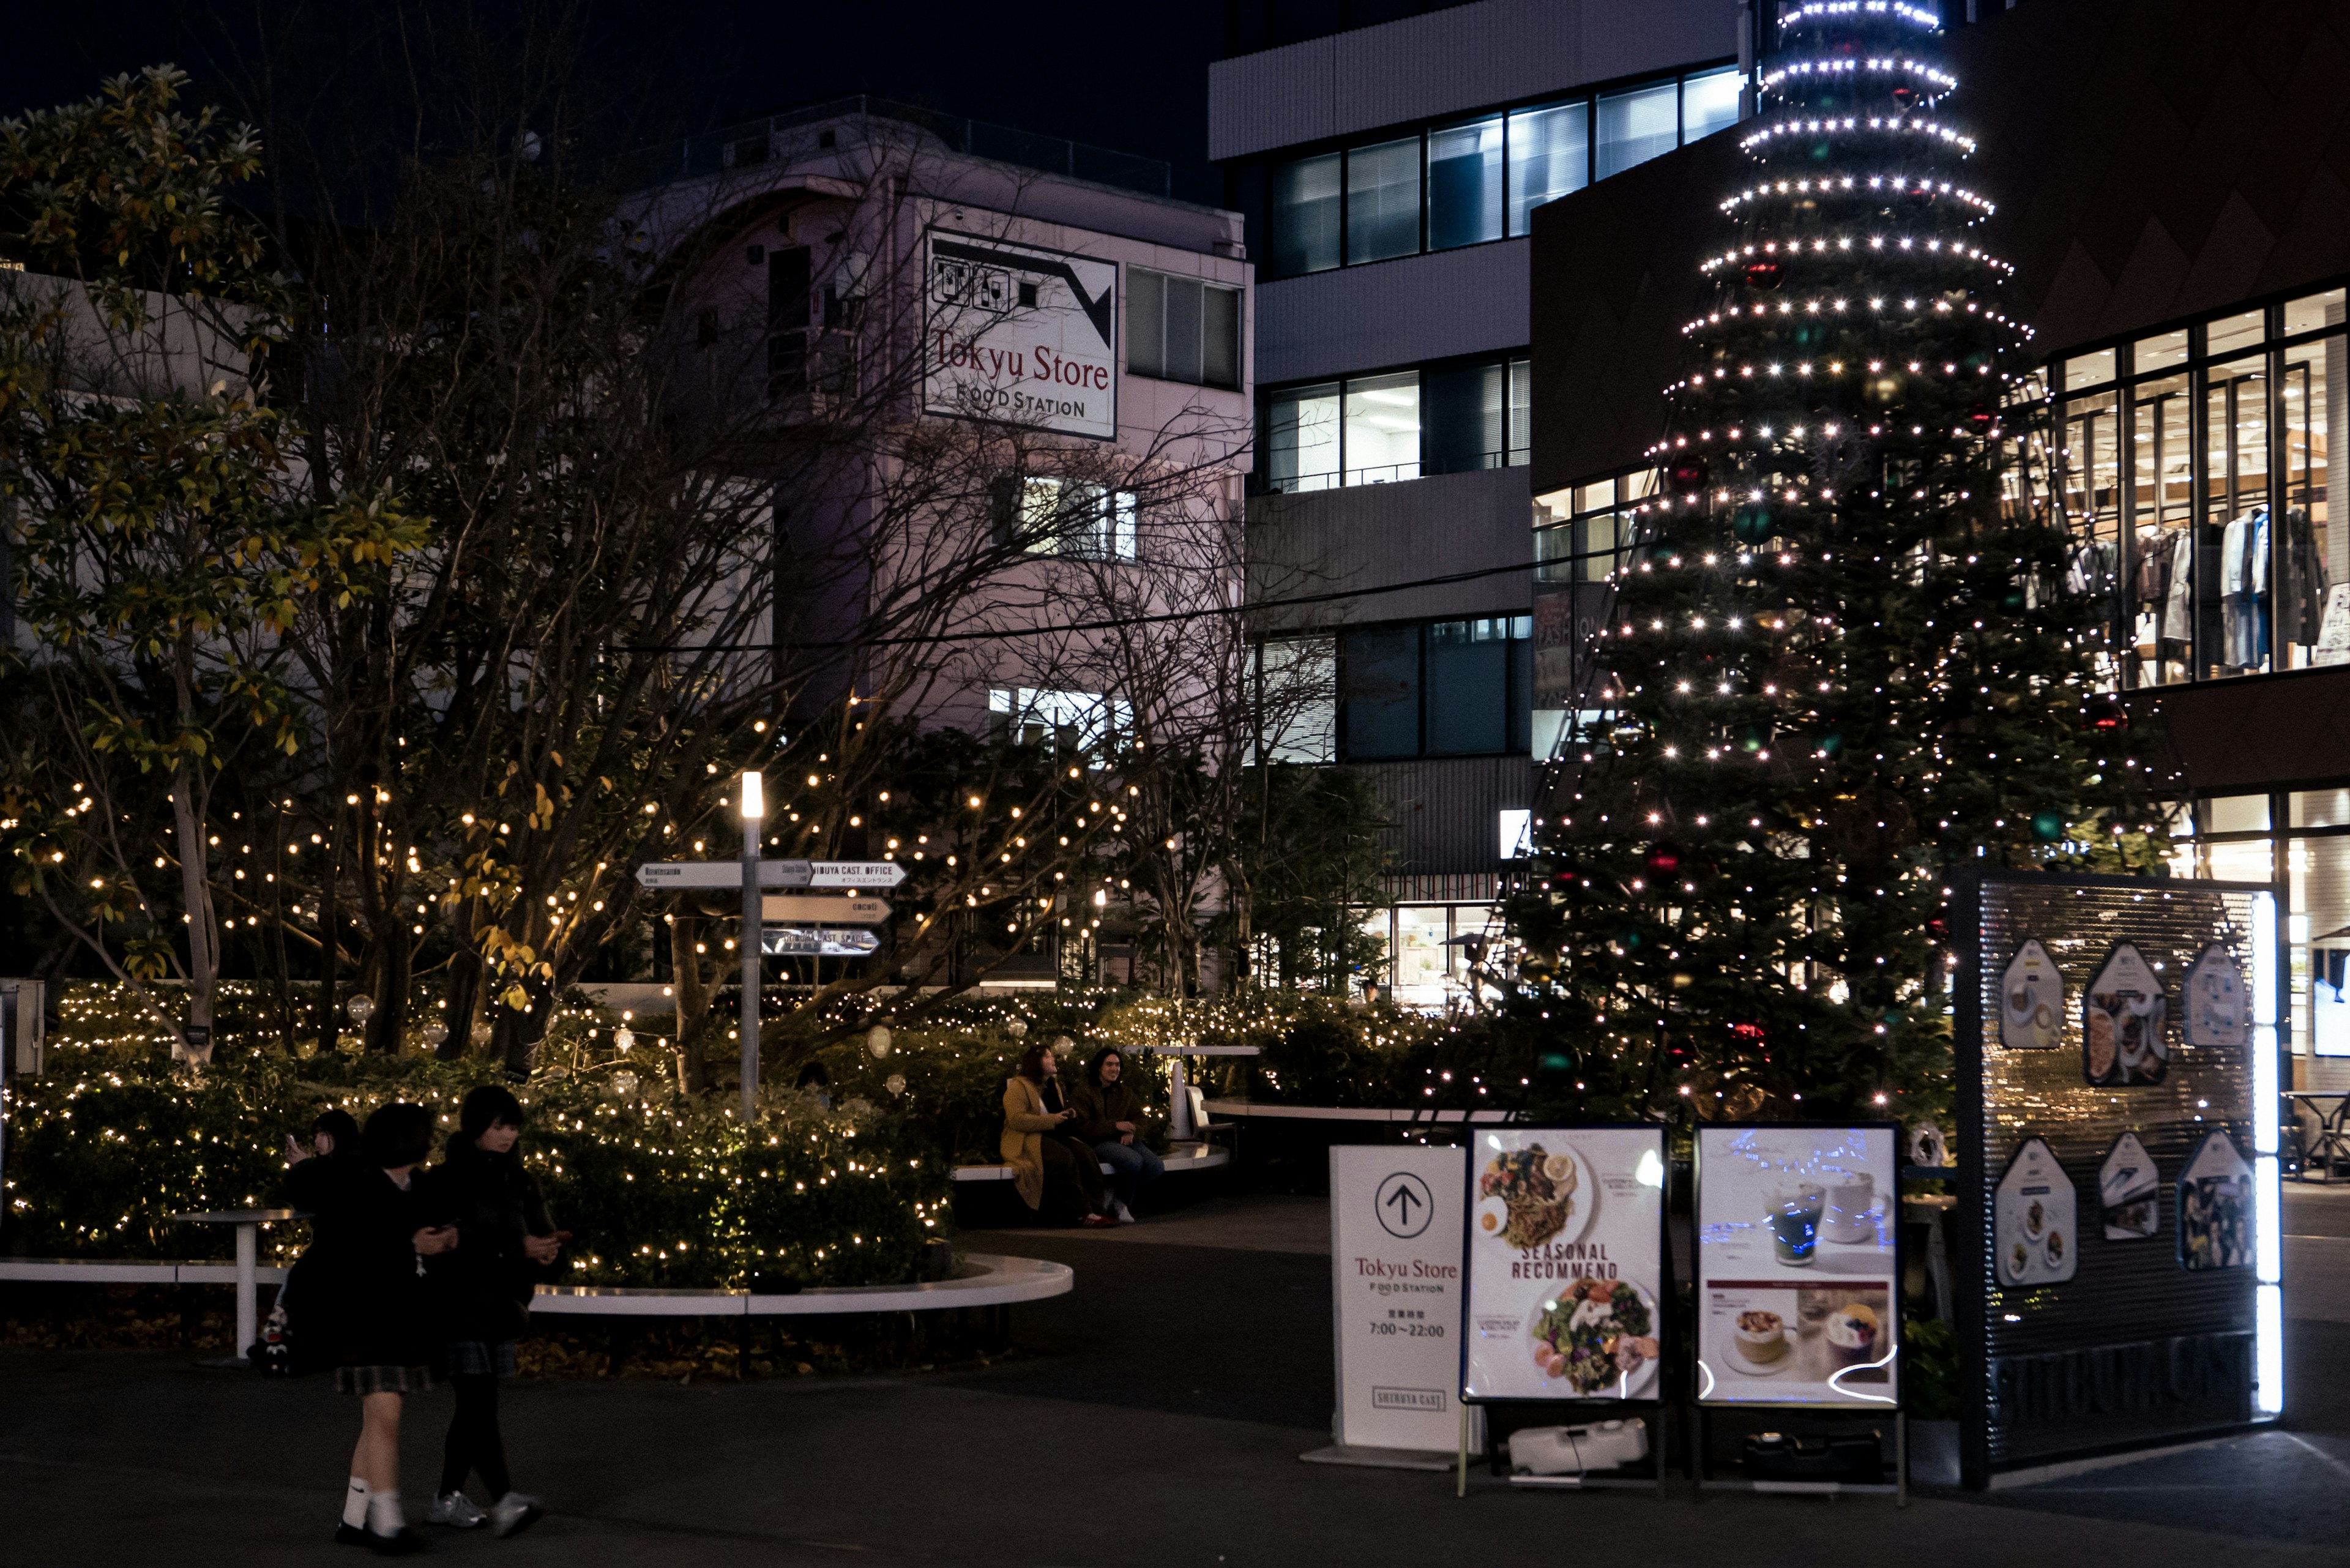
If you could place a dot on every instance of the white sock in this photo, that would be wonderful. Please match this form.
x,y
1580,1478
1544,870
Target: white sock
x,y
355,1504
384,1517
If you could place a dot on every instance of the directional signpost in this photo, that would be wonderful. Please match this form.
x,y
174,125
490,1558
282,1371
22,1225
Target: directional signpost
x,y
811,926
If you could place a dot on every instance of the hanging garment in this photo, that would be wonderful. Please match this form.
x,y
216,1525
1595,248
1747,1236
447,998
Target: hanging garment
x,y
2179,601
2243,589
2301,612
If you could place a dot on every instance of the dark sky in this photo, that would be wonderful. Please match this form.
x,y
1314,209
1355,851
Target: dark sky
x,y
1127,77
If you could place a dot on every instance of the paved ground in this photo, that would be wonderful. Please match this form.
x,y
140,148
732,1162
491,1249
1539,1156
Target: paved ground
x,y
1158,1420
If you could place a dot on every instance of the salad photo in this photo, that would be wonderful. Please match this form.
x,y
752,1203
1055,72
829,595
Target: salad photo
x,y
1537,1191
1593,1333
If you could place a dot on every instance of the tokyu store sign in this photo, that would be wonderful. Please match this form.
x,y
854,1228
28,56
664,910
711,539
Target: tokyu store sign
x,y
1020,334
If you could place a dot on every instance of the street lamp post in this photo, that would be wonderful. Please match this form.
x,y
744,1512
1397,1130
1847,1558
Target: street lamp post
x,y
754,810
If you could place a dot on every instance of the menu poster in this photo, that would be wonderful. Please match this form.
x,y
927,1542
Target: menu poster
x,y
2032,1000
2126,1190
1565,1264
2217,1007
2034,1219
2215,1207
1797,1266
2121,1021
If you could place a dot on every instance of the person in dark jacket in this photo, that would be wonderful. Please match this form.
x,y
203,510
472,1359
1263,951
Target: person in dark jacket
x,y
1111,1120
480,1295
365,1304
313,1170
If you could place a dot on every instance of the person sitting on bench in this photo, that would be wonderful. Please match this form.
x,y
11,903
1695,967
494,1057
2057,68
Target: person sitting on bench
x,y
1052,1172
1111,1119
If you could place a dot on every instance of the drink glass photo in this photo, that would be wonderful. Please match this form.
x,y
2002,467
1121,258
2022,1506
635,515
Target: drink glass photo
x,y
1794,1218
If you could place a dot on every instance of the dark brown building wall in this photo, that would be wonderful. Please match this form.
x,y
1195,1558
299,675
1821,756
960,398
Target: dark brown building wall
x,y
2152,159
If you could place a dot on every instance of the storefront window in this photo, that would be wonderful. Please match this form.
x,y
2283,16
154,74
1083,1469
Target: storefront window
x,y
2321,808
2237,814
2160,351
1422,960
1383,200
2161,532
2091,477
2085,370
2237,607
2314,314
1464,184
2233,332
2311,563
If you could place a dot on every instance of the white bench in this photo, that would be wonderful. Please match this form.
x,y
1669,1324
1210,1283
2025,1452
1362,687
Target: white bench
x,y
988,1280
1179,1158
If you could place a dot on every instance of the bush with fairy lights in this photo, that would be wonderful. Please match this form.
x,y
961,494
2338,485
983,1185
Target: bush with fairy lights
x,y
657,1190
1843,661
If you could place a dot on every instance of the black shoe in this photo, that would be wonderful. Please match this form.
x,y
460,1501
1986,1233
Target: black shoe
x,y
401,1542
351,1535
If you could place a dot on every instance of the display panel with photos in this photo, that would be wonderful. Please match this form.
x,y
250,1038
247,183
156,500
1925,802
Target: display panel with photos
x,y
1565,1264
2110,1190
1798,1266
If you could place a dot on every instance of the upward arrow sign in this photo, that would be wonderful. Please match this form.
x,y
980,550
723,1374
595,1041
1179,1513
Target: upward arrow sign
x,y
1402,1198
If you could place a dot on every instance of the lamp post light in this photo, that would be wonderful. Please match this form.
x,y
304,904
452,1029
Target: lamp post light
x,y
754,811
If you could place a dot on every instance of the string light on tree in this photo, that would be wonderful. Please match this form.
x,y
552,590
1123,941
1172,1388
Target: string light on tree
x,y
1843,658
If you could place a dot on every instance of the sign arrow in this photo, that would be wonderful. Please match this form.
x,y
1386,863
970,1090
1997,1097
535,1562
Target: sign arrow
x,y
658,876
854,873
1403,1197
810,910
819,942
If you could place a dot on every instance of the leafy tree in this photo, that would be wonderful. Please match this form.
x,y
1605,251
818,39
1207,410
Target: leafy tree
x,y
160,550
1846,663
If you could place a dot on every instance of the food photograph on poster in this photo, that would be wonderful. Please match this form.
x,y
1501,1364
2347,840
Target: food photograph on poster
x,y
2215,1207
2129,1191
2032,1000
1565,1264
2032,1225
2121,1021
1796,1262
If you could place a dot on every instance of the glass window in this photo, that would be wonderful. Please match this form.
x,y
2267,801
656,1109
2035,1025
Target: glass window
x,y
2088,369
1382,428
1302,438
2161,529
1464,184
1521,684
1468,687
2307,566
1422,960
1064,518
2319,870
1182,330
1146,322
2232,332
1379,673
1303,218
1298,691
2311,315
1636,126
1602,536
1219,337
1383,200
1550,155
1709,102
1637,485
2321,808
2161,351
1463,418
2250,860
2238,813
1595,497
2091,472
2235,598
1521,411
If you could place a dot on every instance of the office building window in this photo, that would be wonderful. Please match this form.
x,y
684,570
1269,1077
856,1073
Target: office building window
x,y
1382,428
1635,127
1297,700
1550,156
1449,688
1373,429
1061,517
1302,449
1303,216
1464,184
1709,102
1086,720
1181,329
1383,200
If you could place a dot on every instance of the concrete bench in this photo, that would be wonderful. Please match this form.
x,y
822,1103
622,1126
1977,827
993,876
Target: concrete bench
x,y
1179,1160
988,1280
129,1271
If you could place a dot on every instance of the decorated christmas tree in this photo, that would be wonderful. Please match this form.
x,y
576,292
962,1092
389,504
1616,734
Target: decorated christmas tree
x,y
1844,662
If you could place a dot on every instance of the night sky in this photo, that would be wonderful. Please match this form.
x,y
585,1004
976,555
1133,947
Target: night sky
x,y
1132,78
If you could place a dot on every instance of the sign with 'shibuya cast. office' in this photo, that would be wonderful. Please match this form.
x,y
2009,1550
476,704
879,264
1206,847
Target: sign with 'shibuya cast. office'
x,y
1020,334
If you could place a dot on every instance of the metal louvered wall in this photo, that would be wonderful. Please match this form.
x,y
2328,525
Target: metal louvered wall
x,y
2133,1348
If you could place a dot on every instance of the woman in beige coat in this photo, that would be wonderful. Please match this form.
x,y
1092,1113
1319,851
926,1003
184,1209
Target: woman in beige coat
x,y
1054,1173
